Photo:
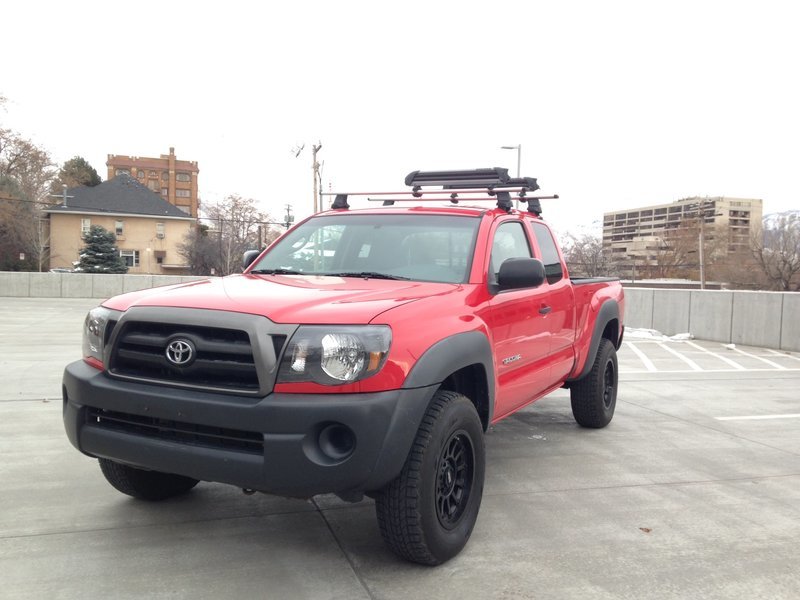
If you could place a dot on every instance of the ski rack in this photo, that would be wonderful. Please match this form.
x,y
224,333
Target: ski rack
x,y
475,185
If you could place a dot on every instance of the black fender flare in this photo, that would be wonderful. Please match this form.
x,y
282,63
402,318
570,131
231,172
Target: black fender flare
x,y
608,312
452,354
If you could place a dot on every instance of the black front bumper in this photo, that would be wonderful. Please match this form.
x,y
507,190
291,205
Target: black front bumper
x,y
279,443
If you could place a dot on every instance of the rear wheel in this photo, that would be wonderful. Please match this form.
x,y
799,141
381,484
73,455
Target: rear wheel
x,y
146,485
426,515
594,397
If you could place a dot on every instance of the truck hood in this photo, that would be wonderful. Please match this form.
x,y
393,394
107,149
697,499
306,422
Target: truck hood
x,y
289,299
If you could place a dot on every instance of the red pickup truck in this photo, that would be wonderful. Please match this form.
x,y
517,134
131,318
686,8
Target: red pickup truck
x,y
363,352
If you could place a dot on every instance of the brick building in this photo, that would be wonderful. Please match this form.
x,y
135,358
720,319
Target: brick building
x,y
175,180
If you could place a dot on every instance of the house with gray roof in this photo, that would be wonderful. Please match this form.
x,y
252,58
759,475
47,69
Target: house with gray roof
x,y
148,228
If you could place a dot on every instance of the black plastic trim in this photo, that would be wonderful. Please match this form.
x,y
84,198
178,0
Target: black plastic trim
x,y
608,312
453,354
384,425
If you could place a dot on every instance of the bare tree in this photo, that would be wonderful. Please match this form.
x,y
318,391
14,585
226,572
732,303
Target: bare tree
x,y
233,226
25,174
199,250
584,255
776,249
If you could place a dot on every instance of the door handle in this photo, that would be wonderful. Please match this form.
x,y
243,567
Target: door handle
x,y
545,309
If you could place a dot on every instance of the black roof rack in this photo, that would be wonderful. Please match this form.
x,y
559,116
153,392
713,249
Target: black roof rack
x,y
491,184
474,178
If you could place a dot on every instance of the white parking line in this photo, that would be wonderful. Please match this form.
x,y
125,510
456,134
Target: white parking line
x,y
694,366
647,362
783,354
732,363
759,417
769,362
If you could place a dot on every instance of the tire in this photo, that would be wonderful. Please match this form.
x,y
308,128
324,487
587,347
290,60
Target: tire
x,y
594,397
145,485
427,513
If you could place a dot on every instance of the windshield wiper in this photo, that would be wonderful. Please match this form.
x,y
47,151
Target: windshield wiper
x,y
367,275
276,272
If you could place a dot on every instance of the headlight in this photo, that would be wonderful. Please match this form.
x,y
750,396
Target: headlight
x,y
332,355
96,331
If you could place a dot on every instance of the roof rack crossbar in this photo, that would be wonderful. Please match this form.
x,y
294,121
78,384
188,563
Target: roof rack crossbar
x,y
456,200
444,192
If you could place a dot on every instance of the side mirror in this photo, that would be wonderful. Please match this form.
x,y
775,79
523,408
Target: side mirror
x,y
517,273
249,257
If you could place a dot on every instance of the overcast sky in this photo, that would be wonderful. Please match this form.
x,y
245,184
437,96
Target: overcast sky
x,y
615,104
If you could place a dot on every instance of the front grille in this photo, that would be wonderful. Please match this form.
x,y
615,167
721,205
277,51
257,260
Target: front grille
x,y
175,431
224,357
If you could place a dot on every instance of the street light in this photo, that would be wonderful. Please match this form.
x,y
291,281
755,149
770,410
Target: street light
x,y
518,148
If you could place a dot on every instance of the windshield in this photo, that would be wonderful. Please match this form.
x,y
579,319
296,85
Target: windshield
x,y
415,247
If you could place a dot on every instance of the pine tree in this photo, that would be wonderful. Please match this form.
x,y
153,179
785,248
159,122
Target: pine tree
x,y
76,171
100,254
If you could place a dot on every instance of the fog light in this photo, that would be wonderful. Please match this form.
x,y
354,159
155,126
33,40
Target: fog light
x,y
337,441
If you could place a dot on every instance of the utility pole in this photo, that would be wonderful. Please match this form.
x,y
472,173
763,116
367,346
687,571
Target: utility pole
x,y
315,168
289,216
700,252
702,240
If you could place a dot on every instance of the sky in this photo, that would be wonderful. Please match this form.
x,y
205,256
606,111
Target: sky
x,y
615,104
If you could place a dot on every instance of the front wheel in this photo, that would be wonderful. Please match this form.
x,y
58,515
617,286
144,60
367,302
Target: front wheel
x,y
146,485
594,397
427,513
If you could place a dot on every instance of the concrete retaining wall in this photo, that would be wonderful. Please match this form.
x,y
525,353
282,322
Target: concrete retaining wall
x,y
766,319
80,285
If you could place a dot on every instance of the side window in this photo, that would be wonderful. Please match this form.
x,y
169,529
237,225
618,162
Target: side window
x,y
509,242
552,263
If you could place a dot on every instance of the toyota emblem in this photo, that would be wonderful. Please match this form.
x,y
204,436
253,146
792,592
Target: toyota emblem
x,y
180,352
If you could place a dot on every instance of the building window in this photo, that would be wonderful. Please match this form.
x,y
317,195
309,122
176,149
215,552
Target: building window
x,y
160,256
186,209
140,174
122,172
160,231
183,193
164,191
182,177
152,184
164,175
118,228
131,257
86,224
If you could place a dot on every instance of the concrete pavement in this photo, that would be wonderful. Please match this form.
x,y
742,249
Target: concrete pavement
x,y
685,494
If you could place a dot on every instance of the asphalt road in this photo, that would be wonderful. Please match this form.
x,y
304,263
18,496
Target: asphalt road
x,y
693,491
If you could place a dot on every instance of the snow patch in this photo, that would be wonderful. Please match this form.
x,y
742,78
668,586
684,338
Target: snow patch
x,y
654,335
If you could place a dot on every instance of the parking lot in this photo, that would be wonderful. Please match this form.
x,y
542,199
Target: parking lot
x,y
693,491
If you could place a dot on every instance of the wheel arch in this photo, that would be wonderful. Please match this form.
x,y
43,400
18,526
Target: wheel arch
x,y
606,326
461,363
